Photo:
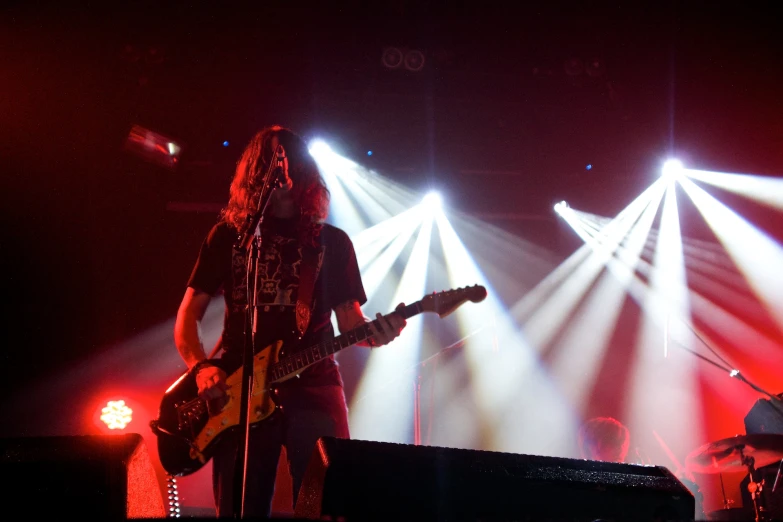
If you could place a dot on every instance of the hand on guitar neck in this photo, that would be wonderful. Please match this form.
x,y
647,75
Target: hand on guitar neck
x,y
385,328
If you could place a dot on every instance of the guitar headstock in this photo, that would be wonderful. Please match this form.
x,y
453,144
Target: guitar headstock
x,y
445,302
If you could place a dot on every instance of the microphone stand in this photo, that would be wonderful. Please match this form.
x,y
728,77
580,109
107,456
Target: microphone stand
x,y
250,241
416,370
775,401
417,386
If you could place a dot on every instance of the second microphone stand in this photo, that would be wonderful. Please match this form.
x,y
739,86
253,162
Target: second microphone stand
x,y
417,386
774,400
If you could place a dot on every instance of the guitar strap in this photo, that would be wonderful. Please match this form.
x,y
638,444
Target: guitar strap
x,y
308,273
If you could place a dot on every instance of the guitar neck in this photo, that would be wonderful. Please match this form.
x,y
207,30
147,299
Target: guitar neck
x,y
301,359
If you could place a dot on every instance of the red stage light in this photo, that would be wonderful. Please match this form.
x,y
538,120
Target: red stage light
x,y
116,415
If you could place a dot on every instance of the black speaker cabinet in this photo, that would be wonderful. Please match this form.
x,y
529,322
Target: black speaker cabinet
x,y
90,477
765,417
363,480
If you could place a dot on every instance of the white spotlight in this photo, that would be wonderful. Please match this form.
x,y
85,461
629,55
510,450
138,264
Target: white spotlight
x,y
560,206
319,148
432,200
672,168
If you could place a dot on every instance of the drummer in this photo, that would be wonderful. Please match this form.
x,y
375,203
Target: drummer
x,y
604,438
608,439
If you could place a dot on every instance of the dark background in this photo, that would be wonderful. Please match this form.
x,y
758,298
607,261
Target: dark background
x,y
94,250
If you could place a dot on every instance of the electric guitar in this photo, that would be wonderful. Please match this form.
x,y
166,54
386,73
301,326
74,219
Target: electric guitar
x,y
188,431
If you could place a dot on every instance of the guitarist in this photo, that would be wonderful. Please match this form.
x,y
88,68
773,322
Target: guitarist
x,y
306,270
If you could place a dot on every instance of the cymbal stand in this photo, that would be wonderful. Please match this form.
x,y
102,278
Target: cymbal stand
x,y
777,477
754,487
726,501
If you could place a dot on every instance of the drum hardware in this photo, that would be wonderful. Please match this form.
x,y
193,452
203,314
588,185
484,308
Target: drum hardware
x,y
740,453
726,501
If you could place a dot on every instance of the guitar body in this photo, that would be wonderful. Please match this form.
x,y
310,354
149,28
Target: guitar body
x,y
189,429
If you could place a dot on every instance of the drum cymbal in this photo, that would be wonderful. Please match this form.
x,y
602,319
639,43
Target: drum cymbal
x,y
725,455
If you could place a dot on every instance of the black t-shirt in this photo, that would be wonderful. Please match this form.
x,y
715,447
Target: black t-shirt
x,y
221,267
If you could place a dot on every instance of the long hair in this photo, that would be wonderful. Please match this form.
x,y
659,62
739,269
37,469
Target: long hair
x,y
309,191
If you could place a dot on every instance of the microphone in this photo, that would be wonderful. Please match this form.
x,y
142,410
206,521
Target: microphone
x,y
283,181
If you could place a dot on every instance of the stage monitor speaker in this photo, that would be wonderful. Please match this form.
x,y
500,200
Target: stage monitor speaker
x,y
90,477
363,480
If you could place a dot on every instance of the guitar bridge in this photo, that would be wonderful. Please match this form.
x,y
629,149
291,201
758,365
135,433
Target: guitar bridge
x,y
190,412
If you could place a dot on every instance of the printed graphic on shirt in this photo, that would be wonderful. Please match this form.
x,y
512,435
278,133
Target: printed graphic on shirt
x,y
278,272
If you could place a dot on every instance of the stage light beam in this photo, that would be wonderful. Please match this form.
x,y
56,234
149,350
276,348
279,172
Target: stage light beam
x,y
762,189
757,255
381,413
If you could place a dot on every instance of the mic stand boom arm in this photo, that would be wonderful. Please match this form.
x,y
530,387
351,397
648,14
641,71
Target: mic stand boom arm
x,y
774,400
